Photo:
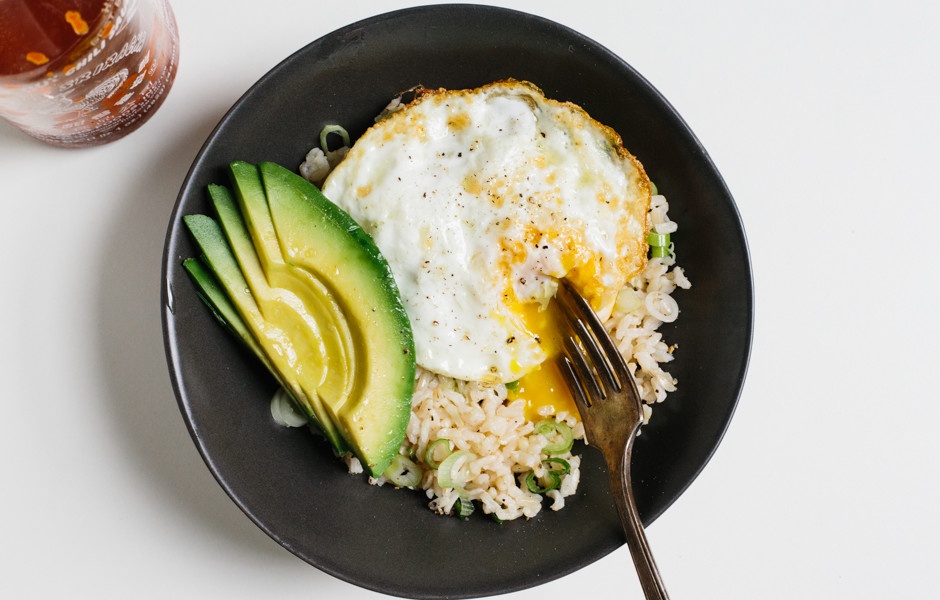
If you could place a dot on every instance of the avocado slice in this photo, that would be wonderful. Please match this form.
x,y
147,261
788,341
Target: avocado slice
x,y
214,296
319,238
278,339
309,296
212,293
308,291
303,358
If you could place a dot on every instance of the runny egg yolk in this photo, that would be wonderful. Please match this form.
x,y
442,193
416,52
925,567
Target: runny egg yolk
x,y
544,389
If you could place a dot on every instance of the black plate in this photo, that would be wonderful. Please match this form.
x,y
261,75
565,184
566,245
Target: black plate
x,y
286,480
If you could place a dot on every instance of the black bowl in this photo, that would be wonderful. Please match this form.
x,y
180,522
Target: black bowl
x,y
286,480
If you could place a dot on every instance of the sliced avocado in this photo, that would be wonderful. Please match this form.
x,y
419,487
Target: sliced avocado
x,y
288,297
334,335
276,340
308,291
319,238
212,293
217,299
249,192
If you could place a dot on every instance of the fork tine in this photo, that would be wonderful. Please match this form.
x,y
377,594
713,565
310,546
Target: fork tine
x,y
584,338
571,377
606,357
583,379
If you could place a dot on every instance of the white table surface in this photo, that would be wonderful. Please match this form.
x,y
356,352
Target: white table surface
x,y
823,119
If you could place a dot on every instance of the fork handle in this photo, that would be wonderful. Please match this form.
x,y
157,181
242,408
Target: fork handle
x,y
622,490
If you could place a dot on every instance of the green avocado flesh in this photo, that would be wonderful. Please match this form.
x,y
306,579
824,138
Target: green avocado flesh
x,y
307,291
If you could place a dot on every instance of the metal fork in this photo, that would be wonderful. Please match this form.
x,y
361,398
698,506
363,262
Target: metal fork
x,y
611,411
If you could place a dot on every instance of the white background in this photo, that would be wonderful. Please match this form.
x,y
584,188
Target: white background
x,y
821,116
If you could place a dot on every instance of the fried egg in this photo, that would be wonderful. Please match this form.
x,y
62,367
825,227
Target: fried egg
x,y
481,200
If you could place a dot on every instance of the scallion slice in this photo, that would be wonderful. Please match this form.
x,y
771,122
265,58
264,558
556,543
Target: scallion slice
x,y
403,472
660,244
534,483
627,300
558,466
463,507
555,469
452,472
325,133
559,435
658,239
437,451
659,251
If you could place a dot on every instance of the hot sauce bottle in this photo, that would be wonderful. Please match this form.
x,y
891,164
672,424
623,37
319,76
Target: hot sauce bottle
x,y
85,72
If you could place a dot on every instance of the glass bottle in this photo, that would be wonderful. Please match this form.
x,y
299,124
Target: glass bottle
x,y
85,72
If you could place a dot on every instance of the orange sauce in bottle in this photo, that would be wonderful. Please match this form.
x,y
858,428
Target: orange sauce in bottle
x,y
84,72
30,29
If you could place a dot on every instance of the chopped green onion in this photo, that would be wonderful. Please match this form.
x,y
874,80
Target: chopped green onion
x,y
654,191
403,472
325,133
559,435
463,508
555,469
660,244
658,239
513,386
532,482
563,466
284,410
627,300
437,451
448,475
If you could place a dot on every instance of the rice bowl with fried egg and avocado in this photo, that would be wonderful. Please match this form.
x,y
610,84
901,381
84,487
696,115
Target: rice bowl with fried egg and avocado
x,y
481,200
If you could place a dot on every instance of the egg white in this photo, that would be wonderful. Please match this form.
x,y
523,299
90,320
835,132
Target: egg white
x,y
480,200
